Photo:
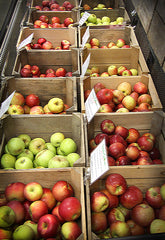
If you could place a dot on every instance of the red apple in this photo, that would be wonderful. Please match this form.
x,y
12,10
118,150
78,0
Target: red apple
x,y
68,21
32,100
154,197
100,136
41,40
98,86
104,95
69,74
107,126
144,107
36,46
120,42
144,98
111,44
18,209
48,198
34,70
55,212
61,190
44,18
33,191
105,108
135,228
122,131
70,208
157,161
15,191
112,70
47,45
116,184
140,88
150,135
37,23
132,152
117,138
98,222
113,199
70,230
117,96
51,75
144,161
104,74
135,95
123,160
86,94
145,143
25,72
60,72
121,69
56,25
115,215
37,209
95,69
44,25
162,213
127,72
99,202
36,110
26,205
131,197
116,149
126,46
133,135
54,6
18,99
50,70
94,42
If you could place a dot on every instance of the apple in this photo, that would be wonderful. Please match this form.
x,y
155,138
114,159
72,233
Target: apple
x,y
122,110
143,214
129,102
126,212
35,70
86,94
145,143
153,197
26,205
144,98
70,230
121,69
41,41
113,199
144,161
116,184
15,109
132,152
116,149
100,136
117,96
48,198
92,18
18,209
117,138
120,229
8,161
105,19
58,162
44,25
54,6
15,146
120,42
107,126
47,45
157,226
61,190
23,232
25,72
140,88
123,160
157,161
88,45
99,202
115,215
33,191
56,139
134,71
7,216
125,87
18,99
94,42
36,145
122,131
36,110
33,225
70,208
37,209
42,158
127,72
72,158
56,105
56,25
15,191
68,21
32,100
162,191
112,70
26,139
5,234
144,107
44,18
105,108
26,153
133,135
104,95
111,44
119,20
55,20
55,212
68,145
37,23
135,228
26,109
51,148
161,213
126,46
98,222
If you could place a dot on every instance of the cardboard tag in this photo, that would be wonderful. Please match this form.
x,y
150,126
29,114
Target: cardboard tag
x,y
92,105
84,18
25,42
5,105
99,161
85,65
85,37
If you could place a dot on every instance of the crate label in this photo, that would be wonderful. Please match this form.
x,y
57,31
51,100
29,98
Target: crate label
x,y
25,42
85,65
92,105
99,161
84,18
5,105
85,37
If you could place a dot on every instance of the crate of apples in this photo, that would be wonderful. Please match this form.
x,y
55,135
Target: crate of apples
x,y
129,202
45,205
51,5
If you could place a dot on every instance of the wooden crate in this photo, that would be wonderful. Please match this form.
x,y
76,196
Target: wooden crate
x,y
130,57
54,35
71,125
143,122
47,178
68,59
60,2
108,4
139,176
113,82
64,88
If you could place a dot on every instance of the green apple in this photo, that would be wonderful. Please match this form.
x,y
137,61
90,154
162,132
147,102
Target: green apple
x,y
92,18
72,158
26,138
36,145
105,19
15,146
134,71
23,163
42,158
105,23
56,139
59,152
35,164
82,13
113,23
58,162
33,225
98,20
50,147
100,6
23,232
120,20
6,149
8,161
67,146
90,24
26,153
7,216
157,226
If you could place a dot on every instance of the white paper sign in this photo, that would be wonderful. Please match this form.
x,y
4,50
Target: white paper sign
x,y
85,37
99,161
80,3
85,65
92,105
25,41
84,18
5,105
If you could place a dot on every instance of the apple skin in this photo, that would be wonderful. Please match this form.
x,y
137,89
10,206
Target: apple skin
x,y
42,158
56,105
48,226
120,229
122,131
15,109
98,222
44,18
135,228
144,161
24,232
153,197
104,95
112,70
70,230
18,99
62,189
129,102
140,88
115,215
68,21
15,146
68,145
120,42
99,202
37,209
5,234
132,152
133,135
123,160
116,149
36,110
48,198
157,226
113,200
131,197
111,161
70,208
107,126
125,87
25,72
143,214
117,96
111,44
36,145
7,216
58,161
55,212
95,69
100,136
145,143
7,161
105,108
18,209
94,42
144,98
117,138
116,184
98,86
32,100
120,70
33,191
15,191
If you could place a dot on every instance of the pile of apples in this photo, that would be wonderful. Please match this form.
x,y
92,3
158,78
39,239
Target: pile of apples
x,y
31,105
52,5
22,152
122,99
42,43
43,22
98,7
119,210
94,43
126,146
34,71
31,211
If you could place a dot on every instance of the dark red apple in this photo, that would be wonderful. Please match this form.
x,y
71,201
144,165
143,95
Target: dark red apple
x,y
145,143
123,160
154,153
100,136
116,149
117,138
116,184
122,131
133,135
32,100
115,215
107,126
98,222
135,228
111,161
104,95
153,197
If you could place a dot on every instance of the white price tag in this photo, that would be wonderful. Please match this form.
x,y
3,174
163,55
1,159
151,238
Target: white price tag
x,y
80,3
92,105
85,37
99,161
5,105
25,42
85,65
84,18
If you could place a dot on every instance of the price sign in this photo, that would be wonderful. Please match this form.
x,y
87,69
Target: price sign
x,y
84,18
99,161
85,37
5,105
92,105
25,42
85,65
